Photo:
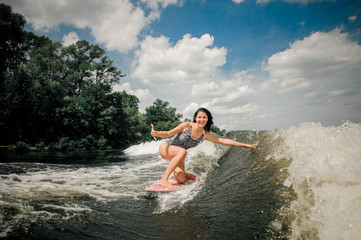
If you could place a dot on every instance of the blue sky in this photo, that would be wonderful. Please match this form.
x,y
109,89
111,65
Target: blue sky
x,y
255,64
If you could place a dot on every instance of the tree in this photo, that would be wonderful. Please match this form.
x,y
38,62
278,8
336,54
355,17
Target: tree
x,y
11,56
162,116
50,92
63,95
11,39
218,131
160,111
17,110
45,68
86,63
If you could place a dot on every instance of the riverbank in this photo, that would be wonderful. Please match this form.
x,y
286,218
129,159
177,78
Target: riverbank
x,y
71,157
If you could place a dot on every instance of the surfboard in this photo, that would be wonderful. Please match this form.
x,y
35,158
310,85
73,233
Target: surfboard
x,y
176,186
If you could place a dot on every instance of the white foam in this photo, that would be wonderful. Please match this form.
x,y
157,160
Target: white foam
x,y
52,188
102,183
201,160
144,148
325,173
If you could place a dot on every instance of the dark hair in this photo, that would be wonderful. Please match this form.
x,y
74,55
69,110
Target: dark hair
x,y
209,123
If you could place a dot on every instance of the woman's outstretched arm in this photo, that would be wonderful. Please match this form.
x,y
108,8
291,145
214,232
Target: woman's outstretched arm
x,y
226,141
166,134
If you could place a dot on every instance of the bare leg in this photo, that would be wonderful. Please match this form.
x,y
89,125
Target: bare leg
x,y
191,176
180,174
176,156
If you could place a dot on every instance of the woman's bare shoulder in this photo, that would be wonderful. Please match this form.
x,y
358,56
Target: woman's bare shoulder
x,y
188,124
211,137
185,125
182,127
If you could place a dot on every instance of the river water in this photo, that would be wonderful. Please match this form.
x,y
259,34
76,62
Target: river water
x,y
302,182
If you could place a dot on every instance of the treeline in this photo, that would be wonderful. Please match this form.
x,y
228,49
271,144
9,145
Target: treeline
x,y
60,97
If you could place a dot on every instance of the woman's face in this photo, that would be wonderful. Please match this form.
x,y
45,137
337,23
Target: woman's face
x,y
201,119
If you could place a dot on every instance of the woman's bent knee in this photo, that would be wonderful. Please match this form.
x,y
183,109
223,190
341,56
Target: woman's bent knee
x,y
180,176
182,152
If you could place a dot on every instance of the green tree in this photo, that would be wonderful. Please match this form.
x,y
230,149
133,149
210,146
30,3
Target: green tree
x,y
80,112
11,56
127,120
45,67
16,108
160,111
63,95
11,39
162,116
218,131
86,63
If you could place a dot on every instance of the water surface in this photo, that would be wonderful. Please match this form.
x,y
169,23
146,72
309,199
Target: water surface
x,y
301,182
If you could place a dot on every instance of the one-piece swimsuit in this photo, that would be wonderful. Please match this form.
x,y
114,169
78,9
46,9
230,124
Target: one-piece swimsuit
x,y
184,139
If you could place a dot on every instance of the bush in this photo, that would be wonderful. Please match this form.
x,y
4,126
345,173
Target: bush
x,y
92,142
102,143
83,144
218,131
40,146
52,147
22,147
72,145
63,144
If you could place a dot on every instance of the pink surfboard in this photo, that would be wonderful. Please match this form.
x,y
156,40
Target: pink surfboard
x,y
176,186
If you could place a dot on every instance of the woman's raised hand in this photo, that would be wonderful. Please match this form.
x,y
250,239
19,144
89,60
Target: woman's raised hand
x,y
154,133
252,145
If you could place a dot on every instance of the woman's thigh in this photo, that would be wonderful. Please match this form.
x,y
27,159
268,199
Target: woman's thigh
x,y
168,152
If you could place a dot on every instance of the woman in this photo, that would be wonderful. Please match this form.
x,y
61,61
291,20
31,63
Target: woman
x,y
187,135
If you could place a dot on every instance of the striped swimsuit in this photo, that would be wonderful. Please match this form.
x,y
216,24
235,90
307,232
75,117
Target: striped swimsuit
x,y
184,140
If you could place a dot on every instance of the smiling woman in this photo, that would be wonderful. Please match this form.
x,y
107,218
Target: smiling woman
x,y
188,135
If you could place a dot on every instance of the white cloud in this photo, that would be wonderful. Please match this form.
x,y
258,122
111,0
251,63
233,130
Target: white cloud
x,y
116,24
294,1
155,5
302,24
70,38
223,111
143,94
189,110
231,97
321,57
237,1
247,108
226,92
310,94
118,27
190,60
335,93
352,18
252,118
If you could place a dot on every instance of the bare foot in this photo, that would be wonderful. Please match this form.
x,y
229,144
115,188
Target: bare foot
x,y
165,183
191,176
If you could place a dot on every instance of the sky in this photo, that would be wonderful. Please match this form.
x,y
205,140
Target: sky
x,y
255,64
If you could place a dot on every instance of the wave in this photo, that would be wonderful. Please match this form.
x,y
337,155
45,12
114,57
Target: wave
x,y
40,192
201,160
324,174
144,148
313,172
